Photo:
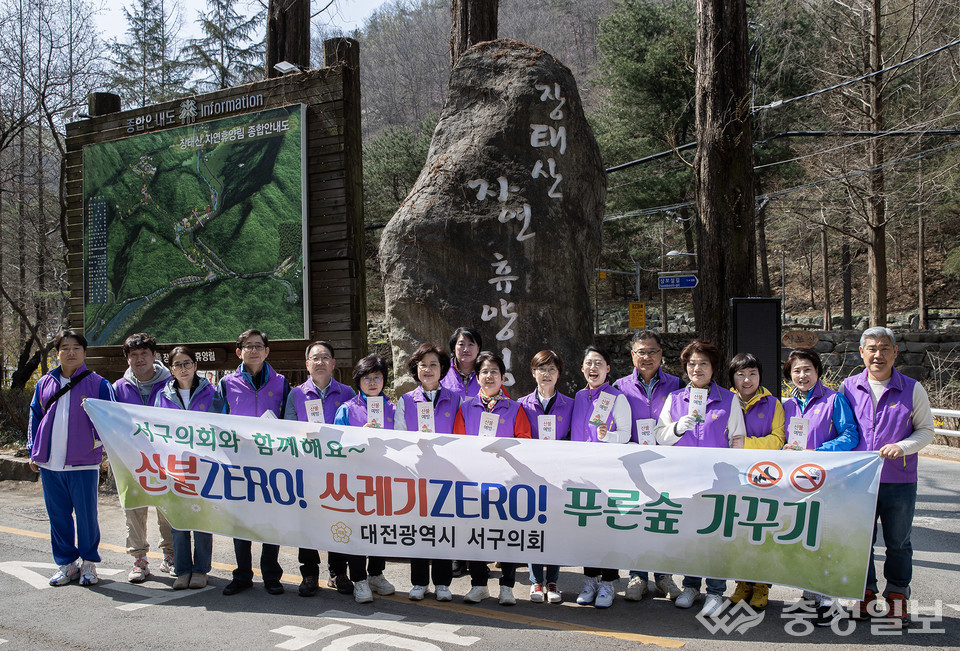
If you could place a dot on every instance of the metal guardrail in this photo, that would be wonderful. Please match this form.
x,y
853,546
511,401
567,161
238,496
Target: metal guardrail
x,y
946,413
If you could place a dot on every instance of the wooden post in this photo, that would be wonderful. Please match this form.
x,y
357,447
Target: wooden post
x,y
471,22
288,35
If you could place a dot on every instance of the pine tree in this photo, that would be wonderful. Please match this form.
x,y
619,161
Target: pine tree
x,y
232,48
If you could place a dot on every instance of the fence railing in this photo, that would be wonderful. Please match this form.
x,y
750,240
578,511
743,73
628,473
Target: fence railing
x,y
947,413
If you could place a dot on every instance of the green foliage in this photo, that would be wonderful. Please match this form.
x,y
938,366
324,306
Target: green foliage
x,y
392,161
951,265
231,51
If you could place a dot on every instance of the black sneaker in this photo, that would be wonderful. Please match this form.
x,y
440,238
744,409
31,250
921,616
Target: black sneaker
x,y
459,568
309,586
273,586
236,586
344,585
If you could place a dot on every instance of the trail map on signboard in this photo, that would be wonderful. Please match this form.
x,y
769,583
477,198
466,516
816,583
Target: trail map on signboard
x,y
196,233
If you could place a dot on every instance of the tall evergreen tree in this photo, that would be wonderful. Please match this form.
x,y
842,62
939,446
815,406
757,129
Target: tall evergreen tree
x,y
231,50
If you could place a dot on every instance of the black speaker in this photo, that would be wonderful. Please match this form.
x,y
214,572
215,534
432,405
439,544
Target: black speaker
x,y
755,328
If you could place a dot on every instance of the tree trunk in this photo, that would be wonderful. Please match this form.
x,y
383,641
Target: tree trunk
x,y
847,286
726,232
471,22
824,251
288,35
876,218
762,248
690,247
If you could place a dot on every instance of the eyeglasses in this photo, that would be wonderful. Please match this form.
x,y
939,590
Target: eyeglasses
x,y
594,364
253,347
182,365
641,352
320,359
546,370
371,379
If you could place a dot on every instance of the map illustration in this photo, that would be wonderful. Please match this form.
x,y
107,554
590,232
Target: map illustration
x,y
196,233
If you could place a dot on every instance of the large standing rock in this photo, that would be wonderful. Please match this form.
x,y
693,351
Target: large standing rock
x,y
502,229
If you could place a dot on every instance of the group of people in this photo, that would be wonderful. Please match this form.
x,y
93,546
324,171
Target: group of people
x,y
878,410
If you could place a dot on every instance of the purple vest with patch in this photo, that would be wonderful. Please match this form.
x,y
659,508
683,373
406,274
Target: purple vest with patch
x,y
357,411
640,405
712,433
127,392
453,382
201,400
583,403
562,408
506,409
444,411
244,400
819,411
337,394
891,421
83,445
759,418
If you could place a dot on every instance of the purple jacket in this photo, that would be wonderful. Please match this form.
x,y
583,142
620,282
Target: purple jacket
x,y
202,399
128,393
640,405
444,410
758,420
336,395
354,412
712,433
819,411
513,422
453,382
83,443
562,408
241,399
891,421
583,404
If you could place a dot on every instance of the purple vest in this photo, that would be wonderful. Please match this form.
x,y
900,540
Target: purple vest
x,y
562,408
640,405
583,403
819,410
357,411
128,392
337,394
712,433
243,400
444,411
890,422
507,409
83,447
201,400
453,382
759,418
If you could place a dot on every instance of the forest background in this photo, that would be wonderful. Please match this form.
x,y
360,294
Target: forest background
x,y
834,110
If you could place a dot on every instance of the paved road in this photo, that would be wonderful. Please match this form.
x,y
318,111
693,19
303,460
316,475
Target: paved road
x,y
118,615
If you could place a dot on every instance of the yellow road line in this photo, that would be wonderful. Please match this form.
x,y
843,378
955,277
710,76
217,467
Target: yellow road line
x,y
462,609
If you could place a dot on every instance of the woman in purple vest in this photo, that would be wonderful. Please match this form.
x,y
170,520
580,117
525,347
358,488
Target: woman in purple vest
x,y
465,344
546,368
720,426
369,376
614,428
428,364
763,419
187,390
512,422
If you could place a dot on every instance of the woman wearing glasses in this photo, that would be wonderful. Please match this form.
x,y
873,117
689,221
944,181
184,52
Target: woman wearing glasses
x,y
187,390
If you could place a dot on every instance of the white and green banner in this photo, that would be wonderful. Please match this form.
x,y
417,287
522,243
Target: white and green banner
x,y
793,518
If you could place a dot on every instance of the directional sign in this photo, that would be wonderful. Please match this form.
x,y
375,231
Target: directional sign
x,y
687,281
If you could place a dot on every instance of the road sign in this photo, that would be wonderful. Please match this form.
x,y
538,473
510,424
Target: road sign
x,y
686,281
603,275
638,316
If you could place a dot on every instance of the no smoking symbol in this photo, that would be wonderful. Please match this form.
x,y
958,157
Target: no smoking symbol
x,y
764,474
808,477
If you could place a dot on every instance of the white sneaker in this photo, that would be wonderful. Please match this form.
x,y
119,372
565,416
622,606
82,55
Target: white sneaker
x,y
635,589
362,593
477,594
536,593
687,598
712,605
443,593
140,571
66,573
553,594
88,574
589,592
605,595
506,596
417,592
667,587
166,566
380,585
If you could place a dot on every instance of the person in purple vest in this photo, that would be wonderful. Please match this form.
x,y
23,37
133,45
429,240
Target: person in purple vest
x,y
546,368
317,400
369,376
429,364
253,390
187,390
140,385
719,426
66,450
646,389
465,344
588,424
511,422
832,427
893,412
763,420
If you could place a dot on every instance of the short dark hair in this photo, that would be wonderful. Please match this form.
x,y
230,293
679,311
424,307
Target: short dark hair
x,y
139,341
645,334
366,366
325,344
246,334
545,357
73,334
424,350
594,349
490,356
742,361
183,350
798,354
470,333
706,349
